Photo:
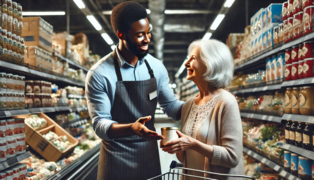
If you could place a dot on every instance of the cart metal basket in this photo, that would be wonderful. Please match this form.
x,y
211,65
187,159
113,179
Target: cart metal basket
x,y
176,173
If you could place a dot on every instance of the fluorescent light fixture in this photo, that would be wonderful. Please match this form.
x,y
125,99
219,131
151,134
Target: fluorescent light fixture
x,y
113,47
217,21
94,22
109,12
228,3
207,36
43,13
79,4
107,38
185,11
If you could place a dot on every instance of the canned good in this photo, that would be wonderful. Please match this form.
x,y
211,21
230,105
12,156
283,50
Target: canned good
x,y
294,164
307,19
281,65
288,72
10,127
9,174
3,129
300,52
268,70
3,82
280,32
11,152
294,70
294,54
287,160
284,10
300,69
16,173
308,68
297,6
306,3
3,150
3,176
170,133
290,29
285,31
21,146
297,25
290,9
288,59
3,101
307,50
305,168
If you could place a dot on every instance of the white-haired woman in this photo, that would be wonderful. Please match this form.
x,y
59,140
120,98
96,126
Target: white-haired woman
x,y
211,137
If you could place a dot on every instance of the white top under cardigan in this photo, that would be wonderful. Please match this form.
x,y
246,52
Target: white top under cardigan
x,y
219,124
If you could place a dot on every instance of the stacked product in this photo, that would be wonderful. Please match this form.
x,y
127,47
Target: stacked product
x,y
299,134
12,91
18,171
12,138
275,68
299,100
246,80
38,94
11,43
298,165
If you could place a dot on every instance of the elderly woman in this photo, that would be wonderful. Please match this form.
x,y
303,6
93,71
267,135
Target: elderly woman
x,y
211,137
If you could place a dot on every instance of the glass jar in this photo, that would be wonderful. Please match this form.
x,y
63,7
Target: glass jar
x,y
3,81
9,100
3,100
307,136
14,83
10,8
43,86
14,45
29,100
37,87
293,128
29,86
9,82
21,100
22,85
4,6
306,100
18,83
15,100
37,100
295,101
299,134
288,94
43,100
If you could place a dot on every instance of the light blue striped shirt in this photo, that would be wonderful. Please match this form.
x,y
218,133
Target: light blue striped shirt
x,y
100,87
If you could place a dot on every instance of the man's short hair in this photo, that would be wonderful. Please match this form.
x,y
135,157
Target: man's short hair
x,y
124,14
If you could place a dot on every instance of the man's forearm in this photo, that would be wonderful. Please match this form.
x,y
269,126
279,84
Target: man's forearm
x,y
120,130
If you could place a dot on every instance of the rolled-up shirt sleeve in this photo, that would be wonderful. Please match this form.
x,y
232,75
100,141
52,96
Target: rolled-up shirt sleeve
x,y
99,104
166,98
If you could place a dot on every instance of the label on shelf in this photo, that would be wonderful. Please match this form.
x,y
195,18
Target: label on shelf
x,y
7,113
264,117
263,160
276,168
283,173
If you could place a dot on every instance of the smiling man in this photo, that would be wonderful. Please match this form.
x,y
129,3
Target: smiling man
x,y
122,91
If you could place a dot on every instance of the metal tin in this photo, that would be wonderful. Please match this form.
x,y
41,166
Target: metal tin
x,y
170,133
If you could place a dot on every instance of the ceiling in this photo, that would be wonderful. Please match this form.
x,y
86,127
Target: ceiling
x,y
179,30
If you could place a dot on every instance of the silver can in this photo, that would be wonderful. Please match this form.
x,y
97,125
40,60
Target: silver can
x,y
170,133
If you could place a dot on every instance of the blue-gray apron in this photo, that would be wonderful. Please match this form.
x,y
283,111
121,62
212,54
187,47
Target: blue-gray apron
x,y
131,157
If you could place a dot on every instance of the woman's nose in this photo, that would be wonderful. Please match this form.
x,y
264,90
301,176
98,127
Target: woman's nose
x,y
187,63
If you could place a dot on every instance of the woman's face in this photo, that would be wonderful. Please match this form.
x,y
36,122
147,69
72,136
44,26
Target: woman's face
x,y
195,66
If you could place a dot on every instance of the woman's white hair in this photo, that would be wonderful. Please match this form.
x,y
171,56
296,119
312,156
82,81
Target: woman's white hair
x,y
218,60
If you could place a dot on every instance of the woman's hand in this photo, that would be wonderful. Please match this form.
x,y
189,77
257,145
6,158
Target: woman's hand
x,y
183,143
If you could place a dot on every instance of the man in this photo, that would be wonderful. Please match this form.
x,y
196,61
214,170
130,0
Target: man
x,y
122,91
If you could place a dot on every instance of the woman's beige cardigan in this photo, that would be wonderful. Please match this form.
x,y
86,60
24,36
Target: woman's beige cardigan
x,y
225,134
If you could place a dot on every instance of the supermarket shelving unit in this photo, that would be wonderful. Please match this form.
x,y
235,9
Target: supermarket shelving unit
x,y
14,160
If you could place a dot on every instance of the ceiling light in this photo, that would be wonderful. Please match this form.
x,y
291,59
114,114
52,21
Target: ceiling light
x,y
43,13
94,22
109,12
113,47
107,38
217,21
185,11
228,3
207,36
79,4
148,11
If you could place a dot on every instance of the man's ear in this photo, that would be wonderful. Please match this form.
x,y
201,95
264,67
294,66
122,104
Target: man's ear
x,y
120,35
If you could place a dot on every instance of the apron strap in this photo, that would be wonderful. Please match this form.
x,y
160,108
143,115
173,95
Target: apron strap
x,y
117,67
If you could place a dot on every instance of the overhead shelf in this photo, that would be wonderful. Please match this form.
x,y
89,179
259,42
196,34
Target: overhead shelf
x,y
33,72
258,89
270,164
298,150
72,63
298,82
14,160
263,117
11,113
298,117
274,51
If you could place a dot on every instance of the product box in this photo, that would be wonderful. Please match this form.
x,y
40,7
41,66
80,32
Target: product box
x,y
38,58
63,43
264,20
270,40
274,13
37,32
34,138
281,65
265,43
274,68
260,43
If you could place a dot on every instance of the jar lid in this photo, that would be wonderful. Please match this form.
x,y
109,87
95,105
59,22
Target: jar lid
x,y
9,74
169,128
301,157
295,88
287,152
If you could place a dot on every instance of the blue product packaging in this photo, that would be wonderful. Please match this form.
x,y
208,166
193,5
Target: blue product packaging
x,y
268,69
256,45
260,43
281,65
270,39
274,13
264,20
274,67
294,162
287,160
265,44
305,168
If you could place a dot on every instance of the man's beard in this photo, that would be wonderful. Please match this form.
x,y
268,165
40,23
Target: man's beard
x,y
134,49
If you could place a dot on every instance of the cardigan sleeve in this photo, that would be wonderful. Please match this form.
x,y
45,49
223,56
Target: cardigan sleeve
x,y
230,151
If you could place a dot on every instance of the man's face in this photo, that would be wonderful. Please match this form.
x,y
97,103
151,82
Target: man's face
x,y
138,38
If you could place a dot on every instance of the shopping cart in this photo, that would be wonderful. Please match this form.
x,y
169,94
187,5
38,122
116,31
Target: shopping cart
x,y
176,172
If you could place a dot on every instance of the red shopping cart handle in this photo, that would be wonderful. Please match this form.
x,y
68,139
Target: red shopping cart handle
x,y
175,164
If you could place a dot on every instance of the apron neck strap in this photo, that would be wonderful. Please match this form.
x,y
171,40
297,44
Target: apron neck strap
x,y
117,67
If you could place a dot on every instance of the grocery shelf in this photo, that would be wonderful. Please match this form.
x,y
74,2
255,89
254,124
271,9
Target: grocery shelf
x,y
298,150
14,160
258,89
76,96
298,117
274,51
270,164
263,117
76,166
11,113
78,109
72,63
298,82
33,72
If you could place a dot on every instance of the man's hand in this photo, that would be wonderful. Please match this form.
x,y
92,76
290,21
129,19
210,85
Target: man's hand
x,y
141,130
